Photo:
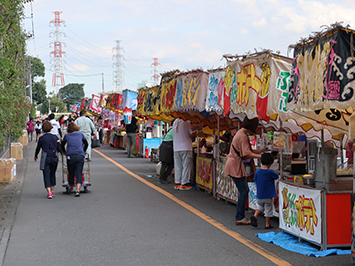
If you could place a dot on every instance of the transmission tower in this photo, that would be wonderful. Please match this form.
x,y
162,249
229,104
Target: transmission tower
x,y
155,71
57,59
118,66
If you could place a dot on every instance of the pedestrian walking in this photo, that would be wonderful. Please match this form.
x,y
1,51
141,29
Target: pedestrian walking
x,y
240,150
87,128
265,186
75,153
166,156
183,160
30,128
38,129
50,146
56,126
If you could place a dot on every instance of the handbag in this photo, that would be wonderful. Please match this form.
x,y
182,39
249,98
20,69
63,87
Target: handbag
x,y
42,162
248,166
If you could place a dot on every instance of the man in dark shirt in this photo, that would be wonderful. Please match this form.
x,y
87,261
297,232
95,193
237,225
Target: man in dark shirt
x,y
131,130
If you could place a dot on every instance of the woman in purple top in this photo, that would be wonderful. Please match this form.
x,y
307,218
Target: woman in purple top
x,y
30,128
49,161
76,147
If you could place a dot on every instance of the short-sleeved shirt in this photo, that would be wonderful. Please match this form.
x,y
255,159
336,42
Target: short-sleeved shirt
x,y
265,183
30,125
234,165
74,143
55,127
86,125
182,132
169,136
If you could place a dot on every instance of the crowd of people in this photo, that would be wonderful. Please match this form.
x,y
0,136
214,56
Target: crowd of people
x,y
175,152
75,145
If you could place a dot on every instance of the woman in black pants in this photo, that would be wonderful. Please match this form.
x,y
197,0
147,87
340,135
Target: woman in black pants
x,y
76,148
49,160
166,156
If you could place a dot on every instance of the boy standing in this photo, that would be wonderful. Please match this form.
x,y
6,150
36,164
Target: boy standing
x,y
265,186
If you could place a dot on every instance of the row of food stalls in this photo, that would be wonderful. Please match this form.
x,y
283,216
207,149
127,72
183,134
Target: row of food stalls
x,y
306,101
308,97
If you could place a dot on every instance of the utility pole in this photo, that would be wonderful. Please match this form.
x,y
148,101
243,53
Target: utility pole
x,y
118,66
57,61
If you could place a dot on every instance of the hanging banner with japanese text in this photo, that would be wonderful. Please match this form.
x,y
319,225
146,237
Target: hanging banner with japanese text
x,y
214,90
191,90
168,89
324,73
300,211
247,87
151,101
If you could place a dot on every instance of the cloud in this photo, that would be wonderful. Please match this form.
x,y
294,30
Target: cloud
x,y
80,67
260,23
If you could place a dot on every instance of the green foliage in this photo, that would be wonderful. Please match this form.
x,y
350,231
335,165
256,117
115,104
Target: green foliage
x,y
55,102
72,93
39,92
37,67
13,107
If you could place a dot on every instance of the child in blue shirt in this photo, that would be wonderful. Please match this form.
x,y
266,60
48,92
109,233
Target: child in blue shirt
x,y
265,187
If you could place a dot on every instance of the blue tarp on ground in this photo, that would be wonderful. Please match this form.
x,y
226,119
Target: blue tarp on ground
x,y
291,243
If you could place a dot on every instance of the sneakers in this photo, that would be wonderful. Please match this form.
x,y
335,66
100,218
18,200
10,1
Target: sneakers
x,y
185,187
72,192
77,193
52,193
177,186
49,196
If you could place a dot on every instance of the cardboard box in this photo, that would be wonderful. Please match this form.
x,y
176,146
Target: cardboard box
x,y
7,170
23,139
16,151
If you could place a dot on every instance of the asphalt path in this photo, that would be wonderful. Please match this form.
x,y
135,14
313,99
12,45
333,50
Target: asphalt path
x,y
127,218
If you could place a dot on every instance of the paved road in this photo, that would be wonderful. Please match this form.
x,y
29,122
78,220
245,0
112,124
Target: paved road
x,y
127,218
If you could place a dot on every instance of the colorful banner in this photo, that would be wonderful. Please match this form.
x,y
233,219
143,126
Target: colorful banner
x,y
191,90
129,99
246,88
75,108
168,89
95,103
323,73
204,172
151,101
215,89
300,211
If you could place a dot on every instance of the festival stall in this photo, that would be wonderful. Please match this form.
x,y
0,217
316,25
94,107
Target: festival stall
x,y
322,90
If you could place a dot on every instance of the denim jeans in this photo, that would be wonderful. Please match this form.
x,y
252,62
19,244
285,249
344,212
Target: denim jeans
x,y
50,168
131,140
75,163
243,191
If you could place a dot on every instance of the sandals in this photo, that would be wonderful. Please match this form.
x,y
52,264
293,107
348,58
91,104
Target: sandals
x,y
244,221
269,227
254,221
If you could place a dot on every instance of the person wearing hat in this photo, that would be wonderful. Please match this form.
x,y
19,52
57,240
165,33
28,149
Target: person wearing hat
x,y
240,150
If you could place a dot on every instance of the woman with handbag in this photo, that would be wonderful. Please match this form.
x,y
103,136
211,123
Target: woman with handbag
x,y
241,150
50,145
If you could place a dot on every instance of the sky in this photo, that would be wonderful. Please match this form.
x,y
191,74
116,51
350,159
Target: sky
x,y
182,34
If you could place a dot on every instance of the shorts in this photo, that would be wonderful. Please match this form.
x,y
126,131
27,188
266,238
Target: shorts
x,y
265,205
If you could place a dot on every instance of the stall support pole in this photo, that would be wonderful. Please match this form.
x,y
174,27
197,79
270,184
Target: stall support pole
x,y
341,150
352,220
323,159
281,155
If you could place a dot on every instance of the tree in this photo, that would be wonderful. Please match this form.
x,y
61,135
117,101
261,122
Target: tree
x,y
72,93
39,92
13,108
37,70
37,67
